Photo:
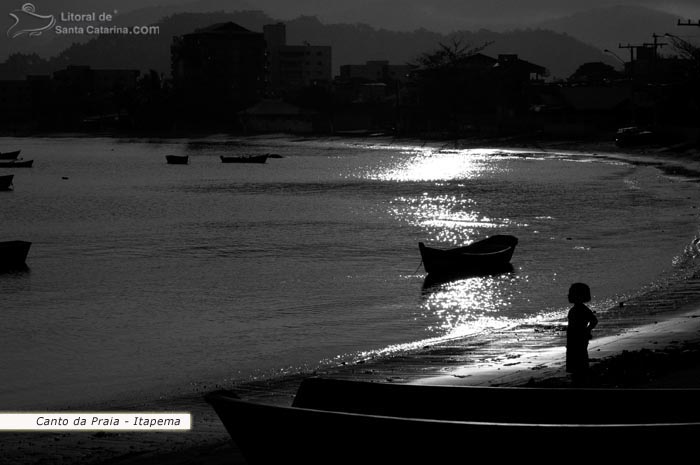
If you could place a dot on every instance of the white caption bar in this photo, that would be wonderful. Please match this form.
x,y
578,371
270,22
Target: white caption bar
x,y
95,421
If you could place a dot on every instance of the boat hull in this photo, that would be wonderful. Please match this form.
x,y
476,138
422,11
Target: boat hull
x,y
492,253
16,164
177,159
9,155
268,434
245,159
500,404
6,182
13,254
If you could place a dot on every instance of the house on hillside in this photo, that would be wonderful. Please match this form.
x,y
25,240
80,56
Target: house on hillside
x,y
471,93
509,66
580,110
375,71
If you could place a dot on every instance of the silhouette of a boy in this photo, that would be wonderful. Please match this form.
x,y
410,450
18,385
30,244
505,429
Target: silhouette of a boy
x,y
578,332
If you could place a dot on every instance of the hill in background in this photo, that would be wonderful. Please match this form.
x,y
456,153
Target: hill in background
x,y
560,45
352,43
609,27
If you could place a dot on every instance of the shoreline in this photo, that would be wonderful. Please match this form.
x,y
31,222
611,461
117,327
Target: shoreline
x,y
658,350
660,347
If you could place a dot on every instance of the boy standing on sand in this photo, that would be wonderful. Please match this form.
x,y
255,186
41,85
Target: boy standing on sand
x,y
578,332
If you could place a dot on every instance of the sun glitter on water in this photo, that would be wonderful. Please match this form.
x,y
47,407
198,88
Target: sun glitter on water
x,y
429,164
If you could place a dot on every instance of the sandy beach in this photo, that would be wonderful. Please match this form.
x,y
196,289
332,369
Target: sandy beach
x,y
660,348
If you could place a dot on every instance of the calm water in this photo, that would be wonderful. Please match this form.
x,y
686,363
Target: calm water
x,y
147,279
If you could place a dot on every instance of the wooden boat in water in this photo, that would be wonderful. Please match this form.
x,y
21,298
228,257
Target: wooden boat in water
x,y
268,434
13,254
6,182
245,159
177,159
16,163
491,253
9,155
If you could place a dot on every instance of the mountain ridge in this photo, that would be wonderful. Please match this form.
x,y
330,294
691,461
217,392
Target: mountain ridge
x,y
606,28
559,45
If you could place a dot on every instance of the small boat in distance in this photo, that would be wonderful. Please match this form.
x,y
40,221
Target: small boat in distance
x,y
9,155
177,159
6,182
13,254
491,253
245,159
16,163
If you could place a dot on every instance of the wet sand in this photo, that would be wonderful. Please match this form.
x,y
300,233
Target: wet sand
x,y
660,347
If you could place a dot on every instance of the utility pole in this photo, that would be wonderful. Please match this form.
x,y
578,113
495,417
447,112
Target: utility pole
x,y
689,23
655,57
632,49
656,44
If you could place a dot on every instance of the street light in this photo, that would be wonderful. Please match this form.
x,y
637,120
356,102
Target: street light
x,y
684,48
679,39
615,55
675,37
624,65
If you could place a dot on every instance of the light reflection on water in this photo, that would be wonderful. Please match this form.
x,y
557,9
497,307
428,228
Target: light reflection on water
x,y
451,218
468,305
448,207
420,164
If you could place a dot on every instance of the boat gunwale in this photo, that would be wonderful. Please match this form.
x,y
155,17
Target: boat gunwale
x,y
211,398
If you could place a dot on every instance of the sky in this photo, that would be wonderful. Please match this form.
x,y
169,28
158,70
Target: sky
x,y
442,15
469,10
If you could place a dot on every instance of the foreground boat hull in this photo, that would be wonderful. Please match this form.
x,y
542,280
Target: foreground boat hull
x,y
269,434
501,404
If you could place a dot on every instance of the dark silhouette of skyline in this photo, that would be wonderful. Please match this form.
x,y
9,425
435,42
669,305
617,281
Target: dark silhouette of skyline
x,y
226,67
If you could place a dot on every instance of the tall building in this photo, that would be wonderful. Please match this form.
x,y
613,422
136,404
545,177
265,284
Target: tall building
x,y
293,67
220,65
